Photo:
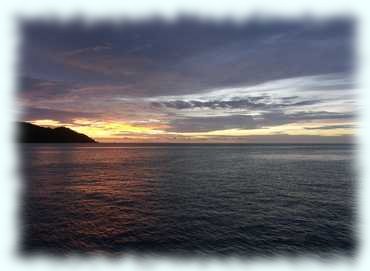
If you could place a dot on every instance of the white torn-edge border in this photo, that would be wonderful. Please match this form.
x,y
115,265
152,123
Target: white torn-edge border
x,y
91,10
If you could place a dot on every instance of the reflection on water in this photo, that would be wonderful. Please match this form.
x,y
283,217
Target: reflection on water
x,y
188,199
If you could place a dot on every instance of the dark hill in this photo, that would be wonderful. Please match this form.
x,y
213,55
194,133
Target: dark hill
x,y
30,133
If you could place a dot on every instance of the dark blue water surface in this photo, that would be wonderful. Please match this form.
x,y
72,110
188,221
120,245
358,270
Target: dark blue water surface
x,y
188,199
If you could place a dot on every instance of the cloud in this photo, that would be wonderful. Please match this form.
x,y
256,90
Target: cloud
x,y
278,118
330,127
41,88
321,115
186,56
32,113
249,103
190,75
206,124
283,139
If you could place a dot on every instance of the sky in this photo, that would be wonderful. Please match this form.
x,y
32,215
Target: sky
x,y
191,80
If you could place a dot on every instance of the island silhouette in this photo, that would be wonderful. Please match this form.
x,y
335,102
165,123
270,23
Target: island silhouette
x,y
30,133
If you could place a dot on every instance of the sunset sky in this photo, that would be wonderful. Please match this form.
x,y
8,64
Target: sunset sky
x,y
191,80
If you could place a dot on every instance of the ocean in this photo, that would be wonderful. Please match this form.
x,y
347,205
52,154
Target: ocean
x,y
188,199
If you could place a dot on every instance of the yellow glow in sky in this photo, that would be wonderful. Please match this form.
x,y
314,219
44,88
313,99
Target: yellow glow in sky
x,y
116,130
47,123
